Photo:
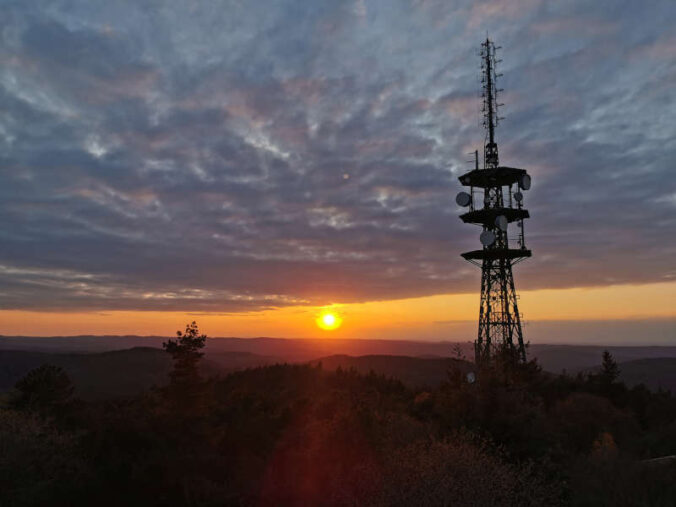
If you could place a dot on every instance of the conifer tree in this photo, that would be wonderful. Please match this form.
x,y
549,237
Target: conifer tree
x,y
43,388
186,353
610,371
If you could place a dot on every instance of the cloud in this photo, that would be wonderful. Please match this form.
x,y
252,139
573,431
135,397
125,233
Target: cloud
x,y
228,157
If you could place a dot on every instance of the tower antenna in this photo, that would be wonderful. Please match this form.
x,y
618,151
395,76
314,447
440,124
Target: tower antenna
x,y
490,105
499,318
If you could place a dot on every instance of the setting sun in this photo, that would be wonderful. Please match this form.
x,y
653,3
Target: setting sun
x,y
329,321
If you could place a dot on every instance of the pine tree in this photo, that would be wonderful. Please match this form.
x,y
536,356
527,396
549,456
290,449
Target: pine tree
x,y
185,381
610,371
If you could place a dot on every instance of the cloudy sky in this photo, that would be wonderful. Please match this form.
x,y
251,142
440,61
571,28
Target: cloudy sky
x,y
239,157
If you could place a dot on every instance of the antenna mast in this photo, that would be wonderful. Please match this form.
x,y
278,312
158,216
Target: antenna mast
x,y
499,318
490,101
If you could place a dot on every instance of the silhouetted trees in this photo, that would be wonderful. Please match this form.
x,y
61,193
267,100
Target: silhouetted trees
x,y
289,435
39,463
43,389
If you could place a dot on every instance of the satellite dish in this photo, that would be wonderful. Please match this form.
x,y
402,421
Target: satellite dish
x,y
487,238
501,222
518,196
471,378
463,199
524,182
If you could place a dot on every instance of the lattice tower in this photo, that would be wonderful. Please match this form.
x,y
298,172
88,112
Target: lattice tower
x,y
495,201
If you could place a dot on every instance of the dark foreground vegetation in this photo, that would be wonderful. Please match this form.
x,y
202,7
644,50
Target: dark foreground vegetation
x,y
301,435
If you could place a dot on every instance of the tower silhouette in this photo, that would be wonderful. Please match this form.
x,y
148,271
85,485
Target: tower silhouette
x,y
500,203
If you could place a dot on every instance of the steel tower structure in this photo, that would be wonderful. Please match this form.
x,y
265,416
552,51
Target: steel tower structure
x,y
495,200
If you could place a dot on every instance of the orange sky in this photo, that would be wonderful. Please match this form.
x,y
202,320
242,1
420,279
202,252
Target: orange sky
x,y
420,317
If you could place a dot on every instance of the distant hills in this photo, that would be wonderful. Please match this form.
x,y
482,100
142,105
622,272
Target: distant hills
x,y
554,358
573,358
96,375
116,373
655,373
102,366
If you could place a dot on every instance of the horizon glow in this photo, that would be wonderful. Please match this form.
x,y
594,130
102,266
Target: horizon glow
x,y
418,318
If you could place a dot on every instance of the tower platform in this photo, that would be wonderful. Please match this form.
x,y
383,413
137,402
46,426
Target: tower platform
x,y
496,253
492,177
487,216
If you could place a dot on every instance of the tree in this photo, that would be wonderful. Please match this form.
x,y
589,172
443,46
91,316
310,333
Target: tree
x,y
609,369
186,353
43,388
186,389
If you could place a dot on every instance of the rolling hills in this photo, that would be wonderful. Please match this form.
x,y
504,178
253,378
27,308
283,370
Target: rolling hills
x,y
131,371
655,373
553,358
116,373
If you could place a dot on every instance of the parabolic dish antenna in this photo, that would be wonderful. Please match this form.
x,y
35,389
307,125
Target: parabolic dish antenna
x,y
463,199
487,238
471,377
501,222
518,196
524,182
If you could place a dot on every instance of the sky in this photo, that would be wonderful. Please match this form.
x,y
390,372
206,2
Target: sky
x,y
246,164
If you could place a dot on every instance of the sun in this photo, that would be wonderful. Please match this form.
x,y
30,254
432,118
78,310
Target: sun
x,y
328,321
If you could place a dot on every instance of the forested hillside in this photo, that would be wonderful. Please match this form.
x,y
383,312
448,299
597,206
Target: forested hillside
x,y
303,435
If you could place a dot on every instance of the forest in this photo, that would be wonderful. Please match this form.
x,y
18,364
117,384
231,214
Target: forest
x,y
300,434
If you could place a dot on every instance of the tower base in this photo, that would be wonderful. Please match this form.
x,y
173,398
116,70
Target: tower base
x,y
499,318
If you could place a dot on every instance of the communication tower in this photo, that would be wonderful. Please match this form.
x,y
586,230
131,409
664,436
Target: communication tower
x,y
495,200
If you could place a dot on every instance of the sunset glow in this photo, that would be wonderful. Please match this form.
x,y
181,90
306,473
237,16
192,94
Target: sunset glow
x,y
268,187
441,317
